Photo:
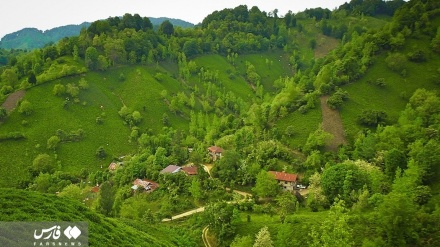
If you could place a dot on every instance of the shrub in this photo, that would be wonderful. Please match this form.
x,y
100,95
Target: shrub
x,y
417,56
12,136
372,117
100,153
396,62
52,142
59,89
336,100
26,108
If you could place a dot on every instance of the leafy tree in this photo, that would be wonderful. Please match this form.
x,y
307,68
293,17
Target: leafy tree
x,y
372,117
9,76
227,166
32,79
266,185
262,239
396,62
286,202
221,218
334,231
190,48
26,108
83,84
73,90
59,89
341,179
196,189
394,159
239,241
317,139
42,182
137,117
52,142
42,164
106,198
72,191
91,58
166,28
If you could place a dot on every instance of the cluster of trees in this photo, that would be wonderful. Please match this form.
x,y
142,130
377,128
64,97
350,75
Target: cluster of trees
x,y
372,7
386,174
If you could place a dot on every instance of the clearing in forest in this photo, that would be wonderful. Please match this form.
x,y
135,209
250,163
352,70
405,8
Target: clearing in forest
x,y
13,99
332,123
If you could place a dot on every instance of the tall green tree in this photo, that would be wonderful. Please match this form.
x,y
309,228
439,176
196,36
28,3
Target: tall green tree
x,y
91,58
266,185
222,219
262,239
106,198
166,28
334,231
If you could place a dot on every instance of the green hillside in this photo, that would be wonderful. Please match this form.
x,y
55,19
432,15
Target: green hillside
x,y
19,205
295,129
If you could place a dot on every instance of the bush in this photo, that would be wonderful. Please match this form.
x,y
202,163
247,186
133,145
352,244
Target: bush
x,y
26,108
52,142
417,56
336,100
100,153
59,90
372,117
396,62
12,136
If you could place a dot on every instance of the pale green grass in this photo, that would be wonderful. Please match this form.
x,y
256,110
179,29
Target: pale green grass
x,y
394,96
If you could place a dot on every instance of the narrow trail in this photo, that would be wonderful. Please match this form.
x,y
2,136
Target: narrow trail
x,y
205,237
12,100
332,123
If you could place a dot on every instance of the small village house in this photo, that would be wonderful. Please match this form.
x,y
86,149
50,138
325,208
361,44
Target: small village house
x,y
215,152
171,169
286,180
114,166
145,185
190,170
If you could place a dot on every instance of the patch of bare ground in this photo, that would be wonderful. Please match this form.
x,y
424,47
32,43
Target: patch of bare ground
x,y
332,123
324,45
12,100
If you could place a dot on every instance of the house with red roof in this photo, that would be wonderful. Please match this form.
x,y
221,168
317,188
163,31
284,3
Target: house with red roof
x,y
215,152
190,170
286,180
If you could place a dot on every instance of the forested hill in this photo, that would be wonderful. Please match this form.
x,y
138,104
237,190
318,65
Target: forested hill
x,y
32,38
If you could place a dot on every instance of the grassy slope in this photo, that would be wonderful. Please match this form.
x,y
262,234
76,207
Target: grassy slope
x,y
20,205
389,98
106,90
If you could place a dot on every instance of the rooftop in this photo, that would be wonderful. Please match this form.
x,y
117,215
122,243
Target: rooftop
x,y
282,176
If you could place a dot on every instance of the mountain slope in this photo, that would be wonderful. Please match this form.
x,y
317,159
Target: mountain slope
x,y
31,38
20,205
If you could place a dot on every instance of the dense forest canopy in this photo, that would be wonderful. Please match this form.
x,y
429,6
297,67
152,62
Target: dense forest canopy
x,y
258,85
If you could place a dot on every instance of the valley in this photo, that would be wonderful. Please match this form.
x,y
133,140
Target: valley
x,y
319,128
